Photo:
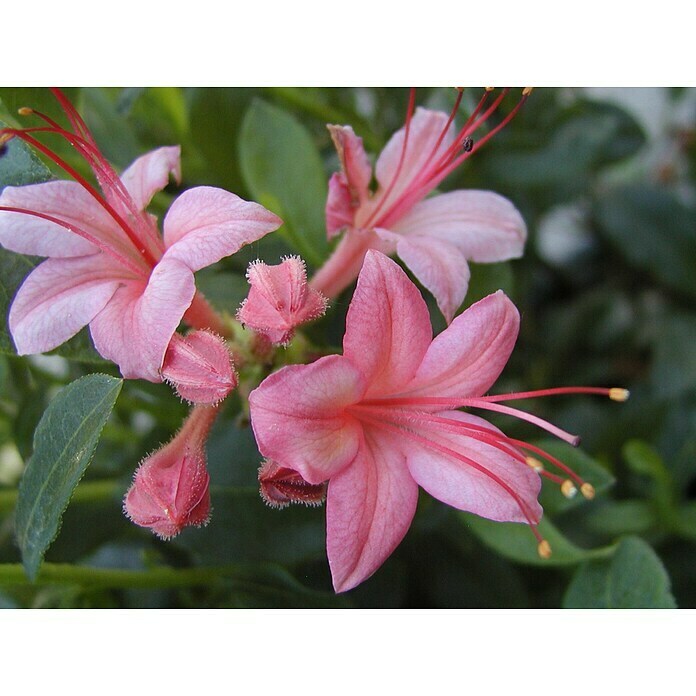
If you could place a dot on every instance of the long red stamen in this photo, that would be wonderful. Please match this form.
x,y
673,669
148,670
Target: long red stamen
x,y
30,140
429,444
392,183
107,249
108,179
73,115
614,393
478,403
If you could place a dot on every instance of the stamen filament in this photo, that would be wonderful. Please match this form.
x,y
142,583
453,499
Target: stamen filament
x,y
429,444
106,248
30,140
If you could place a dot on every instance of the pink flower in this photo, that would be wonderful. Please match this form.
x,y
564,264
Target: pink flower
x,y
108,265
199,367
435,238
280,299
381,420
170,489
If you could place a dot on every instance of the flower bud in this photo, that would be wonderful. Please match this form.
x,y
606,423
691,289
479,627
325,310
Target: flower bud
x,y
280,299
281,486
199,367
170,489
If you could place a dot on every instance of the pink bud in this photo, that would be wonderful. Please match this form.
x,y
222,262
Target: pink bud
x,y
170,488
281,486
199,367
280,299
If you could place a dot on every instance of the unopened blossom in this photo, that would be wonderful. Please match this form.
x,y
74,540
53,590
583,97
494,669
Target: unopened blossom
x,y
435,237
280,299
381,420
280,486
108,265
199,367
170,489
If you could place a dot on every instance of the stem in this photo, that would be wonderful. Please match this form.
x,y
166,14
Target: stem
x,y
66,574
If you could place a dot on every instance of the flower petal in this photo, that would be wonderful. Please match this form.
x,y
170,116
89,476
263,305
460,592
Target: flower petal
x,y
205,224
339,205
388,326
354,161
467,357
58,298
150,174
66,200
299,419
370,506
425,130
438,264
135,328
466,487
484,226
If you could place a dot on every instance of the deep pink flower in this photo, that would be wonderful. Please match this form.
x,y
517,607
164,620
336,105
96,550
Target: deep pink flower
x,y
108,265
380,420
199,367
170,489
280,299
435,238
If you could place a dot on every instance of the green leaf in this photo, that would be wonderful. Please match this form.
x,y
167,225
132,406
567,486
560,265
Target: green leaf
x,y
551,498
516,542
20,166
633,578
653,231
64,443
283,171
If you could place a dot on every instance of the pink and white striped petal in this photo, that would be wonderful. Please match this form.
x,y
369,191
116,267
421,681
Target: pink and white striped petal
x,y
65,200
493,485
483,225
387,327
136,326
205,224
469,355
150,173
299,417
58,298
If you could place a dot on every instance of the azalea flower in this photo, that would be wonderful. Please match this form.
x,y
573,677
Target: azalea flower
x,y
108,265
436,237
381,420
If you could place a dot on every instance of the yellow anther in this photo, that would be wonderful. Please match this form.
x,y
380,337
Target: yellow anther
x,y
534,464
618,394
527,91
489,89
587,489
25,111
544,549
568,489
5,138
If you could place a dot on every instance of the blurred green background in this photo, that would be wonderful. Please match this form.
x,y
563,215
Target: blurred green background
x,y
607,292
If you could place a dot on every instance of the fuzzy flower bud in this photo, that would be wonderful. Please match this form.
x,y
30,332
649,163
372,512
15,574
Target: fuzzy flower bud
x,y
281,486
280,299
170,489
199,367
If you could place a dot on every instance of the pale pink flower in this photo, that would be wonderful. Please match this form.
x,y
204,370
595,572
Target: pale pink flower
x,y
436,237
280,299
108,265
280,486
170,489
380,420
199,367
